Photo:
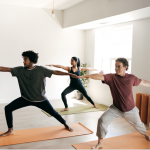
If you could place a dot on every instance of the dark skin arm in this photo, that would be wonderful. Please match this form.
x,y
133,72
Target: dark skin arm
x,y
5,69
55,72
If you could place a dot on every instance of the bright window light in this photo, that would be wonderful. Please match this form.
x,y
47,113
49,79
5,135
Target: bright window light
x,y
110,44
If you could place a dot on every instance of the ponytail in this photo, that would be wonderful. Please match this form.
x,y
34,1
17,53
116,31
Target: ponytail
x,y
78,61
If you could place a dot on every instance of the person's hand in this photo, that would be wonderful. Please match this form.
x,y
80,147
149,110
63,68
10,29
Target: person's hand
x,y
79,77
74,76
86,76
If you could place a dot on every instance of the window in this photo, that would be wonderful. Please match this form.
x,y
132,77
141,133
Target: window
x,y
112,43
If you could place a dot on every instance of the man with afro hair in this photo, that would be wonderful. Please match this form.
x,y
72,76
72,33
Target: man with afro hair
x,y
32,81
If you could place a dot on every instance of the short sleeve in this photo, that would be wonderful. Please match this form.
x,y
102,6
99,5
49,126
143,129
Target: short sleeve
x,y
136,81
47,72
15,71
107,78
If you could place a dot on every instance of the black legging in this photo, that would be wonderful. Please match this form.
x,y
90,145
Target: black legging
x,y
71,88
21,102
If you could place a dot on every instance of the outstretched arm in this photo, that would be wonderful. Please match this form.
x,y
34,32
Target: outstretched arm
x,y
59,66
96,76
64,73
5,69
145,83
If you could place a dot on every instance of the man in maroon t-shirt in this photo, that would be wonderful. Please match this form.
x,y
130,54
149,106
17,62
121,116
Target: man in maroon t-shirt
x,y
123,105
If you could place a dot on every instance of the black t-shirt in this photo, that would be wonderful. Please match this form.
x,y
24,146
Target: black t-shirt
x,y
32,82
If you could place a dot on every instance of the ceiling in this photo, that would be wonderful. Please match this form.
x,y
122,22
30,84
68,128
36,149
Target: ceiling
x,y
58,4
64,4
122,18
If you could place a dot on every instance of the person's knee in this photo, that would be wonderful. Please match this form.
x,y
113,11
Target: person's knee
x,y
101,120
63,94
7,108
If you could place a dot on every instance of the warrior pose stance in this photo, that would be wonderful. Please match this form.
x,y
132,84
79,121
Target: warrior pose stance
x,y
75,84
123,105
32,80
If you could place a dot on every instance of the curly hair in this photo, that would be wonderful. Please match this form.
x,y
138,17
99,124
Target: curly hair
x,y
124,61
33,57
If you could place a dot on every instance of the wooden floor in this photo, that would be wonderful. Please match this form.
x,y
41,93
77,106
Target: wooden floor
x,y
32,117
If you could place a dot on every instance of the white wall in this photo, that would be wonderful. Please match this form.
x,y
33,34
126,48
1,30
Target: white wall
x,y
91,10
23,28
140,60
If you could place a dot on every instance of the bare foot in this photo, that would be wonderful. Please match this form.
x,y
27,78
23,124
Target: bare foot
x,y
7,133
98,146
96,106
147,137
65,109
68,128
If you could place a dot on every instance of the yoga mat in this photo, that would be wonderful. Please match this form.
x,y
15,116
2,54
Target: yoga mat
x,y
138,102
41,134
144,108
79,109
128,141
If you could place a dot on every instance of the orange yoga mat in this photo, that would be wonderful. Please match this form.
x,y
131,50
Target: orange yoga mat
x,y
128,141
41,134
